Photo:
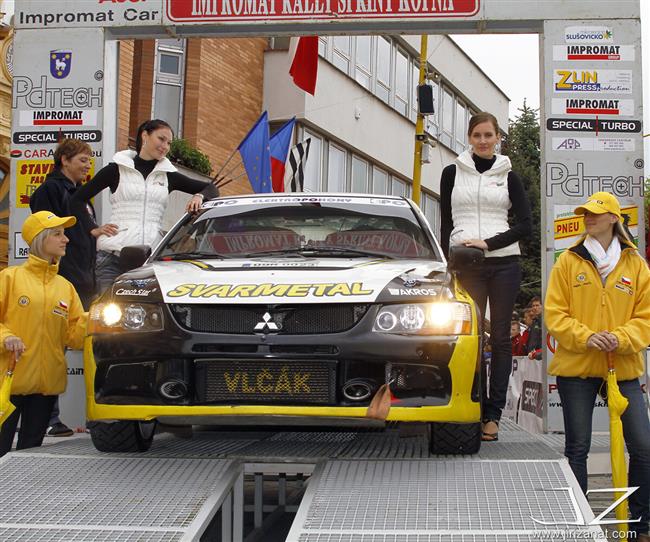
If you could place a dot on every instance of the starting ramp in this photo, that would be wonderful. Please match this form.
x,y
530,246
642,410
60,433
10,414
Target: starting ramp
x,y
362,486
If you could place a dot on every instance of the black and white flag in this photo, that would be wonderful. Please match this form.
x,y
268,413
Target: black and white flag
x,y
294,179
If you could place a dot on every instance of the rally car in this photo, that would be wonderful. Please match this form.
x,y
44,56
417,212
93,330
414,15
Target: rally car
x,y
290,310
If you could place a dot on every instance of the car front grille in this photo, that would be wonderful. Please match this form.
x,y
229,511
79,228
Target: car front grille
x,y
267,381
284,319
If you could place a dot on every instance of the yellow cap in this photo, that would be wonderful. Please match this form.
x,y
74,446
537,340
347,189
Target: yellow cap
x,y
43,220
600,203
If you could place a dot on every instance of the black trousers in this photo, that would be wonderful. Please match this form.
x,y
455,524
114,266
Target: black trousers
x,y
34,411
499,282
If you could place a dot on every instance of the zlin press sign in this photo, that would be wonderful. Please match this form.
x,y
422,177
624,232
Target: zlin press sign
x,y
254,10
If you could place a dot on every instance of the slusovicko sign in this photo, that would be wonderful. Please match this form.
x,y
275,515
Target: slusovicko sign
x,y
250,10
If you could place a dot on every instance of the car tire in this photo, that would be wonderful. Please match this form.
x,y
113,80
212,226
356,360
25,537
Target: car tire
x,y
122,436
455,438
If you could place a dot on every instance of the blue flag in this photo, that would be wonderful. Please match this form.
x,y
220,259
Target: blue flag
x,y
255,154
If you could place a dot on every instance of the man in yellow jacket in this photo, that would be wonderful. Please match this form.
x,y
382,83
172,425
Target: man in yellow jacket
x,y
598,301
40,315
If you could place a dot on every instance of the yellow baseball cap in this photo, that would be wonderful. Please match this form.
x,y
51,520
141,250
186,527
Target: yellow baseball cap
x,y
600,203
43,220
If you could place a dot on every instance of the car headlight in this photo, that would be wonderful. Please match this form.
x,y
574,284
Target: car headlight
x,y
440,318
124,317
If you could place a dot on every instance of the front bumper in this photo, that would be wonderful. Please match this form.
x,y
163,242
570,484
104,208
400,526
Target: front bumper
x,y
432,378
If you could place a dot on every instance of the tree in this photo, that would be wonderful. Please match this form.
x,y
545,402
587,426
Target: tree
x,y
523,148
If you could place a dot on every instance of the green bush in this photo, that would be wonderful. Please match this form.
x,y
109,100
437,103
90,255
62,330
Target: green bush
x,y
185,154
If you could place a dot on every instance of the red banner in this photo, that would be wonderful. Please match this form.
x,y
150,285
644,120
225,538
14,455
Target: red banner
x,y
265,10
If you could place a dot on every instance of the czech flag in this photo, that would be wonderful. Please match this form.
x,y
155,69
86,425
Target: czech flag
x,y
280,143
304,62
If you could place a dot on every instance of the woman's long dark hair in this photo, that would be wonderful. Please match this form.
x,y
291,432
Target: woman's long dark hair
x,y
149,126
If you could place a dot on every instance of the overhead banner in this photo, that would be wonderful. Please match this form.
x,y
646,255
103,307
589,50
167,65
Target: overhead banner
x,y
58,91
593,141
294,10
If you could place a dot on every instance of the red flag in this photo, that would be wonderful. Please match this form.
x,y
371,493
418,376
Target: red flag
x,y
304,65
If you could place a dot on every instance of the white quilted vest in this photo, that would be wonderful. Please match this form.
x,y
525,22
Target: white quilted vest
x,y
138,204
480,203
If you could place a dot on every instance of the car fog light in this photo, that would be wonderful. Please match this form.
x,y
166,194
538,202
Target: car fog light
x,y
134,317
386,321
411,317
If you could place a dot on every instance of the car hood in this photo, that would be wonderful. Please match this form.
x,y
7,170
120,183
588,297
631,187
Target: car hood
x,y
285,280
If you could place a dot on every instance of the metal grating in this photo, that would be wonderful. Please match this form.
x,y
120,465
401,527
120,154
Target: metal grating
x,y
31,534
435,496
329,537
120,493
299,446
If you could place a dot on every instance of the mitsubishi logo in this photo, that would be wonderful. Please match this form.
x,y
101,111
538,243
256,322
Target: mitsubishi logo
x,y
266,323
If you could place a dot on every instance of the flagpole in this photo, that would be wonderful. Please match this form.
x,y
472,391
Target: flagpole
x,y
419,127
214,179
230,180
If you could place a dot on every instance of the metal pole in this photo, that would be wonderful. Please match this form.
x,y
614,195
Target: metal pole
x,y
419,126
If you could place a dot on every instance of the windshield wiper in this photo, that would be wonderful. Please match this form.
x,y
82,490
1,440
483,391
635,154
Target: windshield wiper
x,y
190,256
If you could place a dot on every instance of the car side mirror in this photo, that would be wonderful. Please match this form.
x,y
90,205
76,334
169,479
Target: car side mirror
x,y
134,256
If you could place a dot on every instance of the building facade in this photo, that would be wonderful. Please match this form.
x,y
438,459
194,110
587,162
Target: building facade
x,y
6,72
361,120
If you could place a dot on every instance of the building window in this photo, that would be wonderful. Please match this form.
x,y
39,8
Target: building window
x,y
336,169
431,209
313,169
169,81
447,117
461,127
399,188
379,182
363,73
341,53
359,175
383,68
401,82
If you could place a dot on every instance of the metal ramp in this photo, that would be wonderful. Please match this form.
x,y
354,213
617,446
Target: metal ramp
x,y
366,486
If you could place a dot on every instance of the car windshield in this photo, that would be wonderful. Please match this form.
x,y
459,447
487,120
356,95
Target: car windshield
x,y
270,227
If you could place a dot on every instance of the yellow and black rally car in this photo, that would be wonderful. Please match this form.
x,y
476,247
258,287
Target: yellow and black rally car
x,y
288,309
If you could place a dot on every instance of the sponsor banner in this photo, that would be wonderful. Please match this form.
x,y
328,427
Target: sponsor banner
x,y
21,248
200,11
624,144
41,153
597,81
581,179
283,200
183,282
524,398
30,174
593,125
39,94
87,14
592,106
588,34
41,117
42,138
569,227
622,53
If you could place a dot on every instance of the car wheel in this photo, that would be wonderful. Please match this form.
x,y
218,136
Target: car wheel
x,y
455,438
122,436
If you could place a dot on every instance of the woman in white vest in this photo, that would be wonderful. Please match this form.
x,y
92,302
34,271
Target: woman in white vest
x,y
140,183
476,194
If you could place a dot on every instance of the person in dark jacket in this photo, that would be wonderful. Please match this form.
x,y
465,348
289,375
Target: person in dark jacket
x,y
72,161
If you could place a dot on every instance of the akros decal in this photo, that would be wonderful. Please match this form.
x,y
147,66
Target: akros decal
x,y
269,290
259,10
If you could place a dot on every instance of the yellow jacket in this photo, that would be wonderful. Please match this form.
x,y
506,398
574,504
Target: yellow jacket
x,y
44,310
578,305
